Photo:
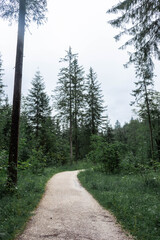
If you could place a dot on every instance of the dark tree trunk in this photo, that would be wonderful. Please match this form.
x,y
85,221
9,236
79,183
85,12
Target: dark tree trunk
x,y
149,122
76,129
70,112
13,152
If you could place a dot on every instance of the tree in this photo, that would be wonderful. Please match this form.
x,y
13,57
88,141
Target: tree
x,y
155,114
38,107
1,82
142,94
94,103
24,11
142,19
63,98
118,132
78,105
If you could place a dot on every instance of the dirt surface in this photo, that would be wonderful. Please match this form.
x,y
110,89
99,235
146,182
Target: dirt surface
x,y
68,211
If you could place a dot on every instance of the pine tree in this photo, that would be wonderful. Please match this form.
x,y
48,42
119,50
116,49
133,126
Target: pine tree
x,y
1,82
143,92
24,11
78,105
64,100
155,115
142,19
94,100
38,105
118,132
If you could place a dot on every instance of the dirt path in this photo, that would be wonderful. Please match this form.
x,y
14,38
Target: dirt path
x,y
68,211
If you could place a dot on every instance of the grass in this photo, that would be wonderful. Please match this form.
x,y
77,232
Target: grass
x,y
15,209
133,199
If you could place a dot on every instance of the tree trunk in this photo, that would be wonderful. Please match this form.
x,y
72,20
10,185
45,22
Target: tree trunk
x,y
70,110
76,126
13,152
149,121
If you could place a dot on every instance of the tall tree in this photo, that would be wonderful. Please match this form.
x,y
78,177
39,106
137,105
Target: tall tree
x,y
78,104
143,19
139,19
143,93
155,114
1,82
64,95
94,100
38,107
5,111
24,11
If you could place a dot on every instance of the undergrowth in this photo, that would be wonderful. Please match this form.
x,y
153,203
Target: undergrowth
x,y
15,209
133,199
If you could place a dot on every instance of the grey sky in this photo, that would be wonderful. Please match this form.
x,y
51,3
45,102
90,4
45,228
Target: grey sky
x,y
81,24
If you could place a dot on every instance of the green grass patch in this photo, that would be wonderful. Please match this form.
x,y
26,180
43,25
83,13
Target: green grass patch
x,y
15,209
133,199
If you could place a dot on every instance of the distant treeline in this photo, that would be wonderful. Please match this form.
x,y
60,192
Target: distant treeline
x,y
80,129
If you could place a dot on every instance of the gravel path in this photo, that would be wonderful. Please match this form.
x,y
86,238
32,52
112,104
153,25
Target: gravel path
x,y
68,211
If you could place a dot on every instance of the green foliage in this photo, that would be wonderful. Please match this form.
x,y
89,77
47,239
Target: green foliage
x,y
134,200
37,161
37,104
94,100
3,161
35,10
139,19
106,156
15,209
60,156
1,82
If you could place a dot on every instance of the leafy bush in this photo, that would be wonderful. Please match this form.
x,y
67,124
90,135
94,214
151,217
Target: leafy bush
x,y
129,163
3,160
106,156
37,161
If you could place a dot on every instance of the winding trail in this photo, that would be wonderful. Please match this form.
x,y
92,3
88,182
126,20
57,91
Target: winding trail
x,y
68,211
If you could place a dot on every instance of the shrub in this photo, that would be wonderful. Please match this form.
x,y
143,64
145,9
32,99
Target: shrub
x,y
37,161
3,160
106,156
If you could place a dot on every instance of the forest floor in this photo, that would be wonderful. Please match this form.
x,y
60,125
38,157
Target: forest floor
x,y
68,211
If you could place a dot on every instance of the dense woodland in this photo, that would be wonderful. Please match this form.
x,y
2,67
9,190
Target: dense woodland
x,y
72,124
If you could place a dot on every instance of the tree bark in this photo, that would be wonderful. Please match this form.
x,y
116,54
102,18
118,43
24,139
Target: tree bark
x,y
70,109
13,152
75,123
149,121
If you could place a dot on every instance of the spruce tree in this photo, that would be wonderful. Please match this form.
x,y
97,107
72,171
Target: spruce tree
x,y
143,91
140,20
155,115
24,11
64,100
94,100
1,82
78,105
38,107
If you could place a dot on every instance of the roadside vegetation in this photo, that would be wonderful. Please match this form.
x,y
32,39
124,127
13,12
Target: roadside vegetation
x,y
16,208
133,199
126,186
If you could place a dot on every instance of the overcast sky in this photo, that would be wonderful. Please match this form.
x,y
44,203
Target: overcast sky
x,y
81,24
